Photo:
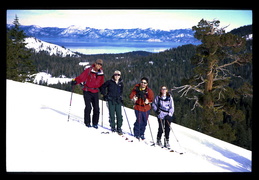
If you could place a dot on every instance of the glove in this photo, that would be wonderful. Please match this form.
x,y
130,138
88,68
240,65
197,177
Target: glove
x,y
122,102
105,97
158,112
73,82
169,118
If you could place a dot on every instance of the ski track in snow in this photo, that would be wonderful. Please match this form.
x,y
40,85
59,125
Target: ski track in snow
x,y
40,139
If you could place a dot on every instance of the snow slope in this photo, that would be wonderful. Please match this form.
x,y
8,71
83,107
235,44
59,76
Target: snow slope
x,y
40,139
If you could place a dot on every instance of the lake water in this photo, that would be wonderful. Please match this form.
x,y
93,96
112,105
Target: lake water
x,y
110,46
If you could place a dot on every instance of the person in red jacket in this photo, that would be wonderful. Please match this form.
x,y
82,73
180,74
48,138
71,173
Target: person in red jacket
x,y
92,78
142,96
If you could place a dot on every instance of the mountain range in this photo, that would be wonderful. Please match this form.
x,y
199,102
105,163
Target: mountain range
x,y
178,35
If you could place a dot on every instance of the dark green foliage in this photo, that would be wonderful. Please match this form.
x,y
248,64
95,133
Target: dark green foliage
x,y
19,66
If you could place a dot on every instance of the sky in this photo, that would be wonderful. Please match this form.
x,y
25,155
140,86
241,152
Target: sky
x,y
128,19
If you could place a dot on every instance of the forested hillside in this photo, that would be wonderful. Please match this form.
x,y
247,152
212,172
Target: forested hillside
x,y
168,68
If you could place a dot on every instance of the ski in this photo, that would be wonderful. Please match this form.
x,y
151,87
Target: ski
x,y
168,149
107,132
181,153
121,135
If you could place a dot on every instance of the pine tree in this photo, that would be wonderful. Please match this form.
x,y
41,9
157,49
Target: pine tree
x,y
19,65
210,82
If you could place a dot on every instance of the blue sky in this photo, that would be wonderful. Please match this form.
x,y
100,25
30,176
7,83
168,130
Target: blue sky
x,y
127,19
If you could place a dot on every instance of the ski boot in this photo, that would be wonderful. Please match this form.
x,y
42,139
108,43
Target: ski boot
x,y
166,144
119,131
113,130
158,142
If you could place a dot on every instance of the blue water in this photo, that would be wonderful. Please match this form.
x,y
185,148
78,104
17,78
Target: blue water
x,y
110,46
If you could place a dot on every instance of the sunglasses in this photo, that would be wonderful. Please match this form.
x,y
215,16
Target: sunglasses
x,y
143,82
99,64
117,75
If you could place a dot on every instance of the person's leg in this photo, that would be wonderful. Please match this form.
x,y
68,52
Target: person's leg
x,y
96,110
143,123
88,108
118,115
137,124
111,108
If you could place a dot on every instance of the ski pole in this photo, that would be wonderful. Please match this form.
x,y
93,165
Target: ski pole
x,y
174,136
73,87
102,113
163,128
151,133
127,119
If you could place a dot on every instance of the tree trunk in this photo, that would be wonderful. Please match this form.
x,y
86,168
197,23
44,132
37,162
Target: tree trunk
x,y
208,99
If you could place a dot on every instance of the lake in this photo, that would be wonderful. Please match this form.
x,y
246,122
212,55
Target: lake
x,y
111,46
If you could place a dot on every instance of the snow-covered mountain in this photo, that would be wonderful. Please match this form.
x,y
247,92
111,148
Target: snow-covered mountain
x,y
39,138
53,49
178,35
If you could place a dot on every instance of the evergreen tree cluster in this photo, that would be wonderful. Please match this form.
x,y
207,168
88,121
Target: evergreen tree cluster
x,y
19,65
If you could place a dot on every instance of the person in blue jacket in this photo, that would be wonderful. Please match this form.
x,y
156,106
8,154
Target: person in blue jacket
x,y
164,108
113,96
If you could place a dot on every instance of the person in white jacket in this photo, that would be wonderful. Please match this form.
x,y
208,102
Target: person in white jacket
x,y
164,108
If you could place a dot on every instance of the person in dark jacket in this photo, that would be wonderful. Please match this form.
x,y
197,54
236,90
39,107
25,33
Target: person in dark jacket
x,y
164,108
114,99
92,79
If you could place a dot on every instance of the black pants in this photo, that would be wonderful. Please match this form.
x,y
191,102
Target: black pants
x,y
166,129
93,98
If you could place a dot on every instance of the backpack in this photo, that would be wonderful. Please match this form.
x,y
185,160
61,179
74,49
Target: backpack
x,y
141,94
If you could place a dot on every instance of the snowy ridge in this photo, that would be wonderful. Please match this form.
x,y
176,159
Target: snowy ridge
x,y
39,138
53,49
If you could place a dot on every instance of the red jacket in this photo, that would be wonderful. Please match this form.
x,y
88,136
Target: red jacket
x,y
92,80
140,103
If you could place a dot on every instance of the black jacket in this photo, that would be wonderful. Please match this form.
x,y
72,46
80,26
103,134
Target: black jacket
x,y
114,90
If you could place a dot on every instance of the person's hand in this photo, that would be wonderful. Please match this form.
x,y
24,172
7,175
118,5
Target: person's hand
x,y
73,82
146,101
134,99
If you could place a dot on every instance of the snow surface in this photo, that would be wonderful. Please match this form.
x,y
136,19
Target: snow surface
x,y
40,139
43,77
